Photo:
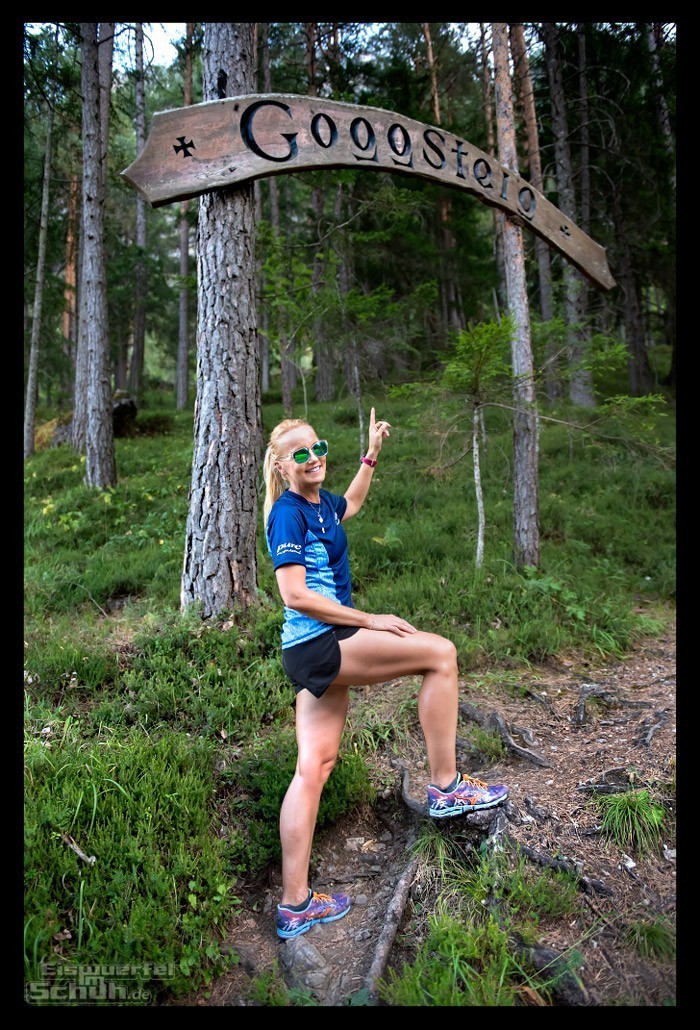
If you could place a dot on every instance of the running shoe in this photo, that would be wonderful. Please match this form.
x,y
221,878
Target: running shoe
x,y
469,795
320,908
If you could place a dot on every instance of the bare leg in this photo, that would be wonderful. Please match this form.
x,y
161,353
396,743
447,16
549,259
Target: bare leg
x,y
319,727
374,657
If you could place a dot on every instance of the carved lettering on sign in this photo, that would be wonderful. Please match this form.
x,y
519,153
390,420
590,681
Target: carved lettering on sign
x,y
228,142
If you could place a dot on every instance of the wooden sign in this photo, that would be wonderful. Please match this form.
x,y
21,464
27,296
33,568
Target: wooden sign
x,y
222,143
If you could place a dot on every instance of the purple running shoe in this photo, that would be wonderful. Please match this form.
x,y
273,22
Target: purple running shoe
x,y
469,795
321,908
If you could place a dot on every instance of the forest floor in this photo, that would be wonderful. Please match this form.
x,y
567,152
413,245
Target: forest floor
x,y
608,723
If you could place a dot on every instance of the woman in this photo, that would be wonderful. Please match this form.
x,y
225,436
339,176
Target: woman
x,y
328,646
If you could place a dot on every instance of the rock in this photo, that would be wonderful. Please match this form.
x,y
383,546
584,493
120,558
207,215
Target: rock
x,y
304,966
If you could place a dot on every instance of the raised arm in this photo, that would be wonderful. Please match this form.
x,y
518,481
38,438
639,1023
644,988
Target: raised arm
x,y
358,489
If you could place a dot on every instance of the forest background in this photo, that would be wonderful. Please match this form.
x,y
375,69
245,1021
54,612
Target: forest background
x,y
369,289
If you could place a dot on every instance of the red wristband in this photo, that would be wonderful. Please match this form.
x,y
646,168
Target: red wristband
x,y
368,461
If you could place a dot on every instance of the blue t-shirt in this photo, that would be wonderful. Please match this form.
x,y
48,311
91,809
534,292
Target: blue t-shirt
x,y
297,536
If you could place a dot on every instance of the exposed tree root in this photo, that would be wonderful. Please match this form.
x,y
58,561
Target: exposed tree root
x,y
589,690
646,737
566,986
562,865
392,921
491,721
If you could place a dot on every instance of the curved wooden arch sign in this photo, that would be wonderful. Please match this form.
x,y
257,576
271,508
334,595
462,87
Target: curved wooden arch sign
x,y
210,146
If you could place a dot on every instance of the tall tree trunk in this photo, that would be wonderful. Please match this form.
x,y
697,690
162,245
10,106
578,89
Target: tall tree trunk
x,y
526,534
263,317
523,78
271,182
121,372
580,380
638,369
220,563
138,349
654,38
100,468
496,213
477,429
346,280
104,61
288,368
287,372
584,173
584,118
654,30
324,353
69,321
102,37
31,396
183,339
324,357
454,316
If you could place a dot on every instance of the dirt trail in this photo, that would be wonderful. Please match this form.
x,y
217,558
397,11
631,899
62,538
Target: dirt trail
x,y
589,724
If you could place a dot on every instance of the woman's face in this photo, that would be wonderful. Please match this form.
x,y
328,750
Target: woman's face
x,y
302,478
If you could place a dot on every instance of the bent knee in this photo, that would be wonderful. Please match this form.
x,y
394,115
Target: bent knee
x,y
445,655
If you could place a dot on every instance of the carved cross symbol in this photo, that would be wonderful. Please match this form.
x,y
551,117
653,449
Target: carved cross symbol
x,y
184,146
565,229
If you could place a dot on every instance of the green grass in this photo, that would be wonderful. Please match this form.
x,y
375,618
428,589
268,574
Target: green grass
x,y
162,745
156,885
652,939
632,820
489,903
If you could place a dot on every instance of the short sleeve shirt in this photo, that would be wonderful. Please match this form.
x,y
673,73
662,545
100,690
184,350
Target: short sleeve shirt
x,y
299,533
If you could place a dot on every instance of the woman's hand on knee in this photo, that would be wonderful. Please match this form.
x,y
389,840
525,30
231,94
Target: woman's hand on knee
x,y
392,624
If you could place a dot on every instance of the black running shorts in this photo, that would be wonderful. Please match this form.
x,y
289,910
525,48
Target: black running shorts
x,y
314,664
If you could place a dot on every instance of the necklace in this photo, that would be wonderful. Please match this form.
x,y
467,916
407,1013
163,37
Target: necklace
x,y
317,510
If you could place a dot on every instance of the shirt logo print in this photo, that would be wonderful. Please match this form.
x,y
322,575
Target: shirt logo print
x,y
287,547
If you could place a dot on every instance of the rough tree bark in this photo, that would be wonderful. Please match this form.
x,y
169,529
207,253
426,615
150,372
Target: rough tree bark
x,y
324,357
654,42
139,335
220,565
32,374
449,286
526,535
638,368
521,67
263,69
654,32
69,321
100,467
497,215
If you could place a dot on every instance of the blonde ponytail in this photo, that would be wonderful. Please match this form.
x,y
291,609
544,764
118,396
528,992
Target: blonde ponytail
x,y
275,484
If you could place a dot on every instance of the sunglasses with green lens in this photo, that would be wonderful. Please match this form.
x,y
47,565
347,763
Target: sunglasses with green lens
x,y
302,454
